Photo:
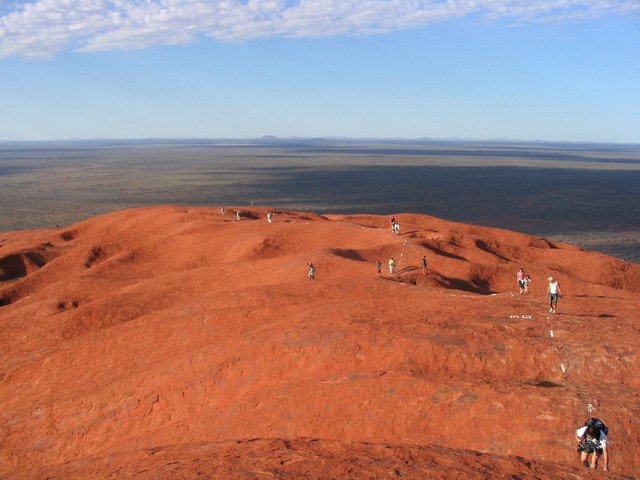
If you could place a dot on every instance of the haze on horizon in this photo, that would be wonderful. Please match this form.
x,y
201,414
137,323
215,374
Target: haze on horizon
x,y
482,69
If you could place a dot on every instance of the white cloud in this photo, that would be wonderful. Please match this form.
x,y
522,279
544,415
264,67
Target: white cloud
x,y
43,28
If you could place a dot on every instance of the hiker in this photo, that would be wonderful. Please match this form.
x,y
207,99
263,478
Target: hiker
x,y
312,271
392,267
269,217
424,264
379,267
521,278
222,210
396,228
527,281
553,291
592,442
238,215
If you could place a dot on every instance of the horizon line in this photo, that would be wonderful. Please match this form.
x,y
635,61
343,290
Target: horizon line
x,y
273,138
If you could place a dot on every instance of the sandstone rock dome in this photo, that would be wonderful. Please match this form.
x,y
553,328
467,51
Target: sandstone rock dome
x,y
179,343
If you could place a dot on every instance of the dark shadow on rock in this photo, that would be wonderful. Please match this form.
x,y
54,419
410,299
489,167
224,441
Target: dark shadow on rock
x,y
542,243
414,279
37,259
485,248
596,296
68,235
95,255
481,283
9,297
406,270
12,267
439,251
349,254
16,265
67,305
545,384
460,284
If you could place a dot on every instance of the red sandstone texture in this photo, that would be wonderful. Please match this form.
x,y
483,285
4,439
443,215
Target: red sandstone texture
x,y
179,343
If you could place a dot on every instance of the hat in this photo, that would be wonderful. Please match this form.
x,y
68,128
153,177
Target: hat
x,y
550,279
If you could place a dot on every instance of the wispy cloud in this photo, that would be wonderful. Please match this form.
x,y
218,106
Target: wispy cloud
x,y
43,28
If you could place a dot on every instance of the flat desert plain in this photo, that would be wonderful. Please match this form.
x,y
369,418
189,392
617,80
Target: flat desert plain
x,y
584,194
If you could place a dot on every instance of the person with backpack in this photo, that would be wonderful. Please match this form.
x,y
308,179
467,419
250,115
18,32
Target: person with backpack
x,y
593,442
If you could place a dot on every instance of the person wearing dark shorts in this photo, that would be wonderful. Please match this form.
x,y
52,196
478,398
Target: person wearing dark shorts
x,y
592,444
553,291
521,278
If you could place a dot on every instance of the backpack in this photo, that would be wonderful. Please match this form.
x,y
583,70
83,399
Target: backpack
x,y
597,423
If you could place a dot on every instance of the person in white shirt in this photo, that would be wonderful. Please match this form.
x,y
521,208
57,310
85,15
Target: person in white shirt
x,y
312,271
553,291
592,442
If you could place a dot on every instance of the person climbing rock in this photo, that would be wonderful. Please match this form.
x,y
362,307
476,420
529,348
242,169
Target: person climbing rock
x,y
379,267
312,271
424,264
521,277
592,443
553,291
392,267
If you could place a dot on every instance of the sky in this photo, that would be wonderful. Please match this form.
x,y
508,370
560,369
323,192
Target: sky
x,y
556,70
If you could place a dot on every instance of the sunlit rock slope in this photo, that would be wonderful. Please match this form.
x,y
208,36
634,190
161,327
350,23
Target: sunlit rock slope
x,y
174,342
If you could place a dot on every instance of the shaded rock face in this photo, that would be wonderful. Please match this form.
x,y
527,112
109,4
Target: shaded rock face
x,y
157,342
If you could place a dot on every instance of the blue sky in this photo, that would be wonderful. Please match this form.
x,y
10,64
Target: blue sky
x,y
566,70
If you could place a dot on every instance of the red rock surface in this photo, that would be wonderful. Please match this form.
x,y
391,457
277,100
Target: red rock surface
x,y
173,342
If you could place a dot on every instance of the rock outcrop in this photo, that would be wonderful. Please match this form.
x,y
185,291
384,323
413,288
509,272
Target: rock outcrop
x,y
173,342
